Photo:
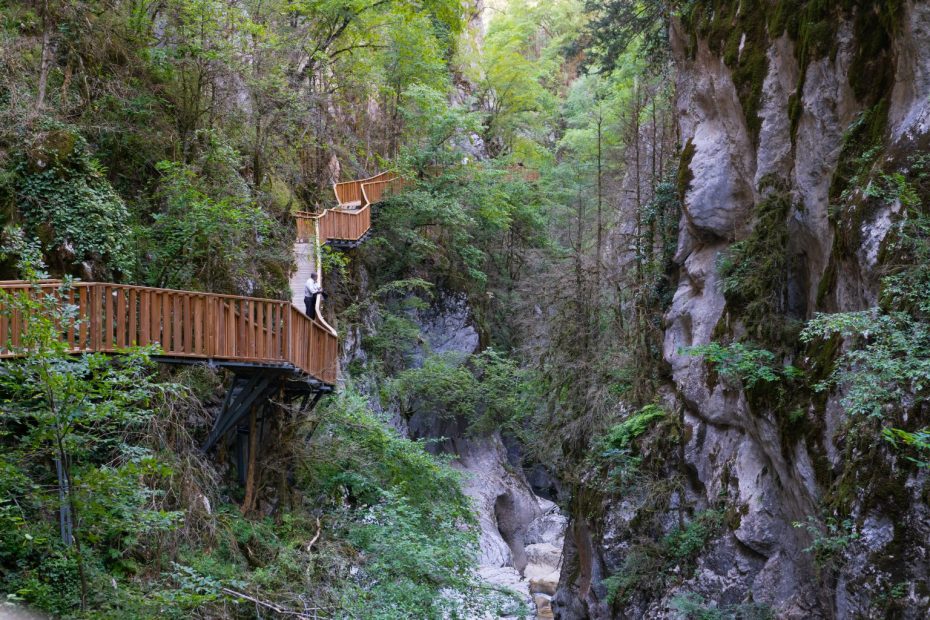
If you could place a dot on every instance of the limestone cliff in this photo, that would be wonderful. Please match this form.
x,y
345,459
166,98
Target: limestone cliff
x,y
779,104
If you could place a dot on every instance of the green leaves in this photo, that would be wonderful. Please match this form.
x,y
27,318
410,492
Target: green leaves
x,y
829,539
888,364
886,368
84,414
489,390
747,364
650,565
68,203
620,435
409,524
209,234
918,441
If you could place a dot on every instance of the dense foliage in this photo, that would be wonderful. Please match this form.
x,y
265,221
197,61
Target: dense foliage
x,y
169,143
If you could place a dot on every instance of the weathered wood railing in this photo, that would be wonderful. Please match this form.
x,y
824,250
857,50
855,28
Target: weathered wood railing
x,y
184,324
333,225
374,192
351,193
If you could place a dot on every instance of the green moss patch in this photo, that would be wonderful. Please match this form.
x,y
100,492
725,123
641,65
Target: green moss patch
x,y
685,176
740,33
755,270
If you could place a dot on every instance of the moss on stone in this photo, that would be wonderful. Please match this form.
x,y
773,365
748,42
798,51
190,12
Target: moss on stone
x,y
738,33
869,479
872,71
755,270
685,176
862,146
827,283
821,357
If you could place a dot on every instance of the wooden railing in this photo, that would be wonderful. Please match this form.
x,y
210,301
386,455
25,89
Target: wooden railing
x,y
527,174
374,192
111,317
306,226
334,225
351,193
352,218
344,225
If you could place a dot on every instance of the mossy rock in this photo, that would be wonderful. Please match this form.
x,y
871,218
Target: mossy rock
x,y
685,176
51,149
754,271
740,32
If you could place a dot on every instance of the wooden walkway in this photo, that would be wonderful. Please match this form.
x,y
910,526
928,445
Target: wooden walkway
x,y
224,329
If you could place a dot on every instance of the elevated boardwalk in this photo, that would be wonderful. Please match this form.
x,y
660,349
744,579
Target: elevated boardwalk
x,y
224,330
186,326
274,350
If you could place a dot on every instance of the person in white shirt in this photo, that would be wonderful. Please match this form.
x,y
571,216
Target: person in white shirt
x,y
311,289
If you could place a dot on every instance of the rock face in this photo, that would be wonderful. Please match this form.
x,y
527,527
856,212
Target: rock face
x,y
520,534
520,537
736,448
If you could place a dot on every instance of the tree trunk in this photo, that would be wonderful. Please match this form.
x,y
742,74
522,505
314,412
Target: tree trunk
x,y
46,63
248,504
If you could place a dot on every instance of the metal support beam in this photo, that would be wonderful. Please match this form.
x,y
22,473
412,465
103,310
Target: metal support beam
x,y
316,398
259,385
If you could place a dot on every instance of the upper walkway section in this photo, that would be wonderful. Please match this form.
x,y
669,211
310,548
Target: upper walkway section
x,y
350,220
364,192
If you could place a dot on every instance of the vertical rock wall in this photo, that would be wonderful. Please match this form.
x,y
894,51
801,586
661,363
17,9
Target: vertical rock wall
x,y
790,139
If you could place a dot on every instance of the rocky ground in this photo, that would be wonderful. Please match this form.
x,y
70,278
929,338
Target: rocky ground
x,y
540,577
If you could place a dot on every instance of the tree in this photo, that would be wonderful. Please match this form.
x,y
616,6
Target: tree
x,y
615,25
67,410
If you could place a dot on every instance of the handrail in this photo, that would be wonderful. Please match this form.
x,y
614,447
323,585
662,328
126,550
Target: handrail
x,y
333,224
184,324
374,192
350,194
349,221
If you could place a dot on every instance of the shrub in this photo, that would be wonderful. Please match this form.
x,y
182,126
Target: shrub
x,y
748,364
67,201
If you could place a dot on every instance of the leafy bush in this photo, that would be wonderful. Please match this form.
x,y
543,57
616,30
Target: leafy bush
x,y
648,565
754,271
617,452
620,435
694,607
491,391
68,431
829,539
211,238
919,441
748,364
887,365
685,542
66,200
411,526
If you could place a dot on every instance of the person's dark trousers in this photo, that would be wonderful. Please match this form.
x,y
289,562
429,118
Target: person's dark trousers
x,y
310,304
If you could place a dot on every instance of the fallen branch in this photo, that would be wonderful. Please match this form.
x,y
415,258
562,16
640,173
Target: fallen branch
x,y
316,536
272,606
